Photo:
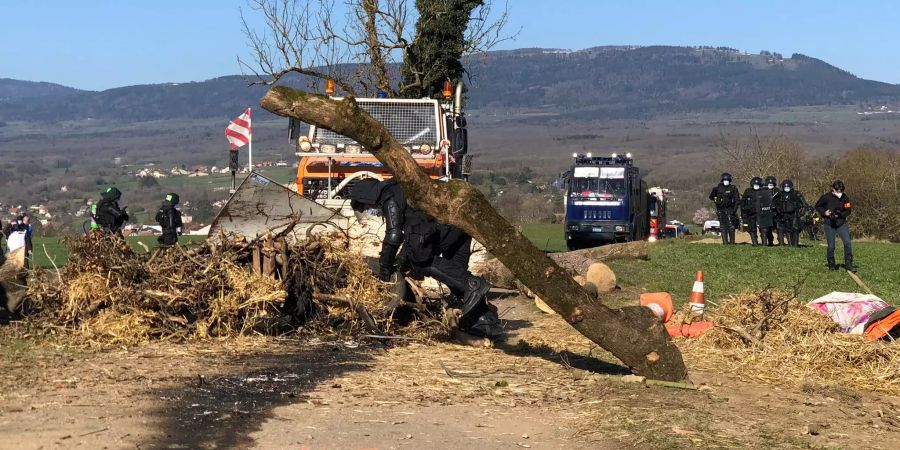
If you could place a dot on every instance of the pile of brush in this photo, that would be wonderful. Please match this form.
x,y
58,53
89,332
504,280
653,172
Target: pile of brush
x,y
110,294
772,337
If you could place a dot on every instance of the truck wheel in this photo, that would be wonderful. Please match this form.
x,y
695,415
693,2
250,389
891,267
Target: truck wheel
x,y
573,244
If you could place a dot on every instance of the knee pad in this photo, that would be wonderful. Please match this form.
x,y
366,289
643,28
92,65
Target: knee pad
x,y
393,236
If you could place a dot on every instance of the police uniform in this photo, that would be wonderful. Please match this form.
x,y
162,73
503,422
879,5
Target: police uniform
x,y
727,198
788,206
110,217
748,209
430,249
169,219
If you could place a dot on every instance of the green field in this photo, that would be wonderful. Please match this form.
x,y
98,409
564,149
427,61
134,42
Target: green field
x,y
59,254
729,270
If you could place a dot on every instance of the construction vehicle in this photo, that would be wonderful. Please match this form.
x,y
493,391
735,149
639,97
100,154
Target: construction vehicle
x,y
606,200
433,131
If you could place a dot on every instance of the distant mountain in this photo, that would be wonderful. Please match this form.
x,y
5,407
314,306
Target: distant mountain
x,y
612,82
17,90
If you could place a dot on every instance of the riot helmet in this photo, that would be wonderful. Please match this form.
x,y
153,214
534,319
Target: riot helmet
x,y
756,182
172,198
112,194
771,182
787,185
725,178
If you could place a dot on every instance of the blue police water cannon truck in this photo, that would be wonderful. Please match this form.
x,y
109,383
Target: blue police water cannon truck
x,y
606,201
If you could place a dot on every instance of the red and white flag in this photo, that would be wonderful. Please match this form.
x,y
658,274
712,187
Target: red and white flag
x,y
238,132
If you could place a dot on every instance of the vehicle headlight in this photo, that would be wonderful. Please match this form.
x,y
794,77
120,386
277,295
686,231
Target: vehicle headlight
x,y
305,145
425,149
353,148
620,228
327,148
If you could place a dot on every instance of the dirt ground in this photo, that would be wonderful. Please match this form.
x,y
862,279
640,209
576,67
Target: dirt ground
x,y
543,387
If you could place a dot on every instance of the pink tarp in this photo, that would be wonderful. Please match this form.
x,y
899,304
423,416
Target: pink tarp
x,y
849,310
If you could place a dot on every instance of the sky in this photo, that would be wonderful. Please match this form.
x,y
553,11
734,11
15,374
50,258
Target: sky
x,y
102,44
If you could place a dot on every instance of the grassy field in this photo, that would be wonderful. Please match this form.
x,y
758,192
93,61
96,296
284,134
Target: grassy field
x,y
728,270
60,254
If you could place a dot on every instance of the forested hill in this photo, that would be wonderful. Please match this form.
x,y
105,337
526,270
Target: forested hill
x,y
612,82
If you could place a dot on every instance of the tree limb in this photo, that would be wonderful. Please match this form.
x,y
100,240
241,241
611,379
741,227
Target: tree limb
x,y
632,334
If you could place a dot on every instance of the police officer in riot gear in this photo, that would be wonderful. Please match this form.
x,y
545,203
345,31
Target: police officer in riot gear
x,y
834,207
169,219
766,215
430,249
788,205
111,217
727,198
748,209
389,199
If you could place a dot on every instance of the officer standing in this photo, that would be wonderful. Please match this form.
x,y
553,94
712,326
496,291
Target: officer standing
x,y
431,249
834,208
748,209
727,198
765,215
788,205
110,217
812,220
169,219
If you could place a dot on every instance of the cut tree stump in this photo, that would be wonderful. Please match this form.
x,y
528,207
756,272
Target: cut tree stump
x,y
632,334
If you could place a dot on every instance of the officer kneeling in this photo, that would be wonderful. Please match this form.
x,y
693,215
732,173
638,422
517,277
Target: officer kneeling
x,y
431,249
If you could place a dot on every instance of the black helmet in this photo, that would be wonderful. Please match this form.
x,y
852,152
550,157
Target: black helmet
x,y
111,194
725,177
364,194
173,198
787,183
771,180
756,180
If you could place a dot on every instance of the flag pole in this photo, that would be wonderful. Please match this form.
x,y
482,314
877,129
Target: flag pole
x,y
250,141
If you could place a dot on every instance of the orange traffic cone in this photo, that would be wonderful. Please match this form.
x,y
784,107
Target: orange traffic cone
x,y
660,303
698,299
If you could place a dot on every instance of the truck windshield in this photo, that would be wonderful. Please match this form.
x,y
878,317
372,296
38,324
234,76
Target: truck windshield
x,y
411,122
598,182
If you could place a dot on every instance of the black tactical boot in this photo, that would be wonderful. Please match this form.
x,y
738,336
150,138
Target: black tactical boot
x,y
754,240
831,264
731,236
474,298
486,325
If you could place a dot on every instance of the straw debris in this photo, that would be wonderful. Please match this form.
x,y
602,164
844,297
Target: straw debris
x,y
771,337
109,294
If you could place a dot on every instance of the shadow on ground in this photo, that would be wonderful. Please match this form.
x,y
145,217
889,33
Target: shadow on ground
x,y
222,411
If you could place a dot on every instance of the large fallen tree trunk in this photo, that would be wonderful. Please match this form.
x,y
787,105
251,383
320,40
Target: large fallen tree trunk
x,y
631,334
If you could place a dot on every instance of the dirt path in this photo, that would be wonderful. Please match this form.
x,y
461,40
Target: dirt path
x,y
545,387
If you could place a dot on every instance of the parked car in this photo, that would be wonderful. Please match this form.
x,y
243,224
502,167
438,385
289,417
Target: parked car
x,y
712,227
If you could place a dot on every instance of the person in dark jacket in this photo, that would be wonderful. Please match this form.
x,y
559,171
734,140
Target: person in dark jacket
x,y
811,219
765,215
111,217
169,219
436,250
748,209
834,207
727,198
788,205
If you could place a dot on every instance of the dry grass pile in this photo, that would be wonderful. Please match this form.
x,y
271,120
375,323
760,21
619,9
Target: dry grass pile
x,y
110,295
770,336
